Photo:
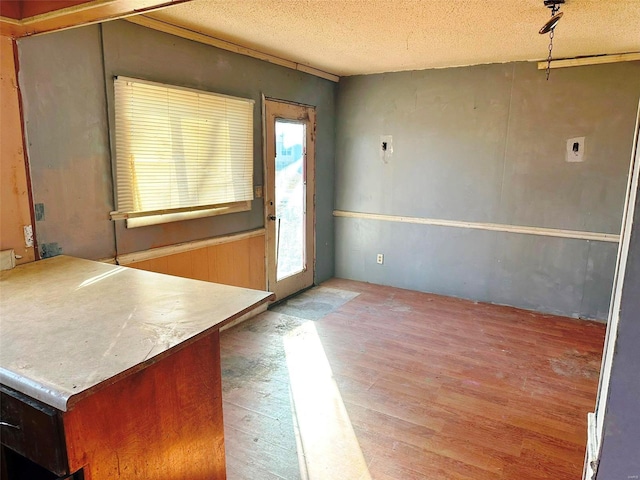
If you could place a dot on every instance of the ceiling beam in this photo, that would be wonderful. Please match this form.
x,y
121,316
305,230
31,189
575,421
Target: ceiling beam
x,y
77,15
595,60
167,27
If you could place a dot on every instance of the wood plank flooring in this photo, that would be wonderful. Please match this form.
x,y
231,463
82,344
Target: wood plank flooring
x,y
353,380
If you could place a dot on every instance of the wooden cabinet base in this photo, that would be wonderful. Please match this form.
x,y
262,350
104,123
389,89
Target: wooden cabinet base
x,y
162,422
18,467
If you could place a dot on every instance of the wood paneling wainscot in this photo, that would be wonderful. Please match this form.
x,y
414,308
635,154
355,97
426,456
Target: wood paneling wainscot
x,y
236,260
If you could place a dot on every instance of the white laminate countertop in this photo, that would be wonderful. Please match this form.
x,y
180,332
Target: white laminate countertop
x,y
69,325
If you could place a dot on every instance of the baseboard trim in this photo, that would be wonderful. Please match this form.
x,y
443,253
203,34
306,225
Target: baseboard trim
x,y
256,311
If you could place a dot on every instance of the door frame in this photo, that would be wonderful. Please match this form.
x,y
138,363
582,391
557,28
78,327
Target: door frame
x,y
596,430
272,110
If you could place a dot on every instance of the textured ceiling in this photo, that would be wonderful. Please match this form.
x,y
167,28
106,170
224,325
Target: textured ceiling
x,y
350,37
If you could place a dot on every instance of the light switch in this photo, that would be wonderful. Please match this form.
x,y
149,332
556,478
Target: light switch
x,y
28,236
575,149
386,147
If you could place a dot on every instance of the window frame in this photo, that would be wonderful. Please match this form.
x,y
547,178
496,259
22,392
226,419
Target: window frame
x,y
172,214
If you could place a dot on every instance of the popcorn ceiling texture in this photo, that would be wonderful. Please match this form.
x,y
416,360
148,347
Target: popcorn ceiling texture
x,y
351,37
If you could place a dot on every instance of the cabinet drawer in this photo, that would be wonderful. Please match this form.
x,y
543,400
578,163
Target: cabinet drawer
x,y
33,430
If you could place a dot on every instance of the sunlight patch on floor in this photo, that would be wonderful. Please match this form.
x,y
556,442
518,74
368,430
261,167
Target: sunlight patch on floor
x,y
330,448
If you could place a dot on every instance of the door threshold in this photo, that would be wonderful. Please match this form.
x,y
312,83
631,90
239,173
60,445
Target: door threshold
x,y
275,303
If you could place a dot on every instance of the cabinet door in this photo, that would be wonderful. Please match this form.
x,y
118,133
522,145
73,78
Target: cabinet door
x,y
32,431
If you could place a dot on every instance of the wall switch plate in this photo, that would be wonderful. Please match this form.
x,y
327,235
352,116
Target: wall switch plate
x,y
575,149
380,259
386,147
28,236
257,191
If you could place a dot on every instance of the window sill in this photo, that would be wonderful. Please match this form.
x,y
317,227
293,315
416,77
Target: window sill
x,y
157,219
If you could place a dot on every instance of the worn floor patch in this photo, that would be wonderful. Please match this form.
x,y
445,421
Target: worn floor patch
x,y
272,322
315,303
575,364
238,370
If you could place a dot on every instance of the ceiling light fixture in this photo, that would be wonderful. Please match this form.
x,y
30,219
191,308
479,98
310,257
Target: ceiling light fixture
x,y
550,26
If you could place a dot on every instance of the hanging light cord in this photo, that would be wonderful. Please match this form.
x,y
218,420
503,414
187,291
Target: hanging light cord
x,y
554,10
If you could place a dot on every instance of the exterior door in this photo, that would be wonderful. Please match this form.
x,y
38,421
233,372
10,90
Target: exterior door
x,y
289,196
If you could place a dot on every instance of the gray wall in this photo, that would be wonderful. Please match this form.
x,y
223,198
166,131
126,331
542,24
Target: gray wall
x,y
487,144
620,442
67,86
62,86
483,144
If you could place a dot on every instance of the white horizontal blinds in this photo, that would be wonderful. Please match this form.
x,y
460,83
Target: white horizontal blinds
x,y
178,148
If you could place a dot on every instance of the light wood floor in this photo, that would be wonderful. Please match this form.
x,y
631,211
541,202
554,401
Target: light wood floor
x,y
353,380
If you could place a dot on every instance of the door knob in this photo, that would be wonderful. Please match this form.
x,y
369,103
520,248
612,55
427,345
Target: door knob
x,y
272,217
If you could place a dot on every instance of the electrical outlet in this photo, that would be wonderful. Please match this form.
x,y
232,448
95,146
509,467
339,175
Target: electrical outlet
x,y
380,259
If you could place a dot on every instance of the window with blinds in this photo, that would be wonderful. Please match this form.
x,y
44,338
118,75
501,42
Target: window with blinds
x,y
180,153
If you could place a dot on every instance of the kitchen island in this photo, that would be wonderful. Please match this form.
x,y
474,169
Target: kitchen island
x,y
110,372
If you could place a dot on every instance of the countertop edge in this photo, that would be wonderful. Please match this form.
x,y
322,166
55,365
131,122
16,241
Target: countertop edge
x,y
64,401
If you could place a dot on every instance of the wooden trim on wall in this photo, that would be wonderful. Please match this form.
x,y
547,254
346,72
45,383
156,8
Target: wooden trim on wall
x,y
497,227
16,207
595,60
166,27
82,14
25,153
153,253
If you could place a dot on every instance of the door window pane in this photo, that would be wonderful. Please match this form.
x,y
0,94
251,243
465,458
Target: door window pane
x,y
290,199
